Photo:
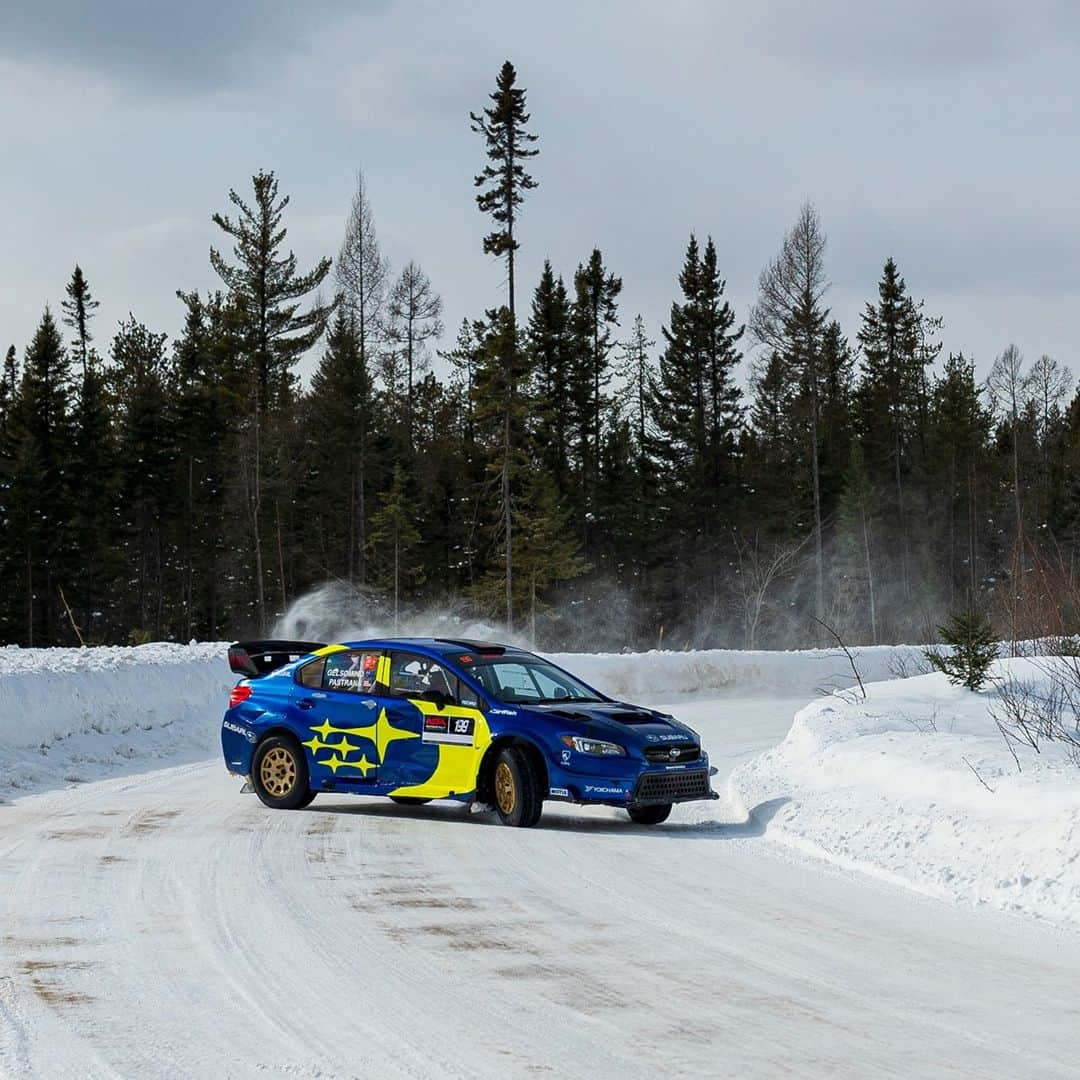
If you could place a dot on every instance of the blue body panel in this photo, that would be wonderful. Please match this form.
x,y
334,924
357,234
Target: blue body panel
x,y
385,748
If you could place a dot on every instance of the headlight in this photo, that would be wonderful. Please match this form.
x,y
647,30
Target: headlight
x,y
594,746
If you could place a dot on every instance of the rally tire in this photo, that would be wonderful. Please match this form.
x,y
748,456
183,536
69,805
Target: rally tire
x,y
279,774
518,793
408,800
649,815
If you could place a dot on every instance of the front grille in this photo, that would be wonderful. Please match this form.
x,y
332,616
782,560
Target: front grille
x,y
672,786
662,753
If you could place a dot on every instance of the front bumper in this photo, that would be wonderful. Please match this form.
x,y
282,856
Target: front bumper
x,y
649,785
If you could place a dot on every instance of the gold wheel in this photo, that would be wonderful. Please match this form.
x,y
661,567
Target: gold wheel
x,y
277,771
505,792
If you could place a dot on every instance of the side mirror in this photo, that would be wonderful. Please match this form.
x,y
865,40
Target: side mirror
x,y
436,697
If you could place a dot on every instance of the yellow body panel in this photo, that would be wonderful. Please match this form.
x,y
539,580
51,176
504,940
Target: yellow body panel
x,y
458,764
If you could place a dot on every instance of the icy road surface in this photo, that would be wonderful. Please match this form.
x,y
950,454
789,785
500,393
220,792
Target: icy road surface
x,y
163,925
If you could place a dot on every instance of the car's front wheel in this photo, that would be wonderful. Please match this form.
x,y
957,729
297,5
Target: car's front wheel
x,y
518,794
649,815
279,774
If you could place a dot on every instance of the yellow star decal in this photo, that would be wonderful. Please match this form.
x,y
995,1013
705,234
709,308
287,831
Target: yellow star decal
x,y
326,729
344,748
363,765
388,734
333,763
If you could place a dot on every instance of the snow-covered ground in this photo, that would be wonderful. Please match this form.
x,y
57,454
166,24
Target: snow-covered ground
x,y
917,784
154,922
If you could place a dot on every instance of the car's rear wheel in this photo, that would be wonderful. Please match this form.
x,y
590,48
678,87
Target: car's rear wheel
x,y
408,800
649,815
518,794
279,774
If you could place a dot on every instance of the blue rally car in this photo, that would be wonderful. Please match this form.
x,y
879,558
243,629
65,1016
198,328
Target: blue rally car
x,y
421,718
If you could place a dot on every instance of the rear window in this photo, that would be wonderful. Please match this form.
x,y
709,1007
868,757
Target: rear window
x,y
311,675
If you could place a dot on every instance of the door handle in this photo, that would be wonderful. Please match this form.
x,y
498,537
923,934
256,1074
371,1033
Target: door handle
x,y
306,703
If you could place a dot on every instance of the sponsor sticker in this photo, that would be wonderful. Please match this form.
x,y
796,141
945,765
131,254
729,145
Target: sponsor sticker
x,y
455,730
592,790
238,730
559,792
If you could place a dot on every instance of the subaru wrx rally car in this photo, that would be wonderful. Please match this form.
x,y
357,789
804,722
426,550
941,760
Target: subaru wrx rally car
x,y
422,718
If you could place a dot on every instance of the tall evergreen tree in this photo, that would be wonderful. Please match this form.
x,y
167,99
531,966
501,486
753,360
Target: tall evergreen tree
x,y
594,317
504,181
891,394
552,351
146,453
41,497
266,291
501,407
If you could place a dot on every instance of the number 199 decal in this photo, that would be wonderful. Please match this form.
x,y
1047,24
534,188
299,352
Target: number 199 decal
x,y
449,729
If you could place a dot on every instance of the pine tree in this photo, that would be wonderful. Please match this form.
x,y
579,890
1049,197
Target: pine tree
x,y
504,180
146,455
959,427
92,463
341,413
552,353
41,497
548,552
394,540
594,317
501,407
973,648
266,292
79,308
637,373
892,393
10,609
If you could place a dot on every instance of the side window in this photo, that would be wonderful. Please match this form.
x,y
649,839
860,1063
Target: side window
x,y
353,672
311,675
411,676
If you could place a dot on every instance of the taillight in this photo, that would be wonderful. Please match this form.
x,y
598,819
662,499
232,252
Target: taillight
x,y
240,692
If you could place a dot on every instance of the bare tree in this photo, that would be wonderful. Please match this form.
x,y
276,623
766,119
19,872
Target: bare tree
x,y
1008,384
789,318
760,565
362,275
362,270
415,317
1048,384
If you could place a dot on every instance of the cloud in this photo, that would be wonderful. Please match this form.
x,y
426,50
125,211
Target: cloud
x,y
188,48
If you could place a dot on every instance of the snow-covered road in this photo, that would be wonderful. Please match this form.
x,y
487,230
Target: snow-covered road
x,y
161,924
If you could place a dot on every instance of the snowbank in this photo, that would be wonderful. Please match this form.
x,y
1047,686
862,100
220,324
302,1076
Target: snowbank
x,y
917,785
70,715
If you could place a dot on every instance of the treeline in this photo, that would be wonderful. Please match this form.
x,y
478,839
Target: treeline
x,y
570,476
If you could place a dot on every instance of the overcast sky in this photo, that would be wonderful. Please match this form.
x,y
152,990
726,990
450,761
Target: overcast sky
x,y
941,133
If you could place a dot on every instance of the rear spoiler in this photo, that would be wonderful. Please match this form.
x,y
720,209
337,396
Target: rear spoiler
x,y
255,658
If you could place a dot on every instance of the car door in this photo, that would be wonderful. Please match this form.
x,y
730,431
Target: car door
x,y
438,739
407,759
339,706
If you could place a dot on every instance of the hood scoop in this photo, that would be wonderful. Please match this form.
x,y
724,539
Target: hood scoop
x,y
623,714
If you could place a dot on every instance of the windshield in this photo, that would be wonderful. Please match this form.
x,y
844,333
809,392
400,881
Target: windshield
x,y
528,682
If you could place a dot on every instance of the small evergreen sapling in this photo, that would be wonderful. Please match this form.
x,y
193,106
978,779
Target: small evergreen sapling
x,y
972,649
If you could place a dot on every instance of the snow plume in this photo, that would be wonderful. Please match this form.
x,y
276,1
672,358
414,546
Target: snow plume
x,y
341,612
